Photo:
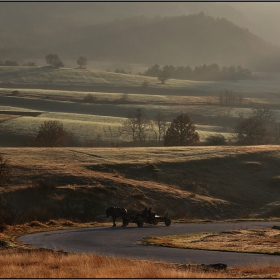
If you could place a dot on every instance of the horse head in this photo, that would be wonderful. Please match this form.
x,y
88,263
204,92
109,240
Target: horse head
x,y
110,211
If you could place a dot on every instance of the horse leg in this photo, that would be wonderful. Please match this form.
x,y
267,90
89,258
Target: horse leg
x,y
114,221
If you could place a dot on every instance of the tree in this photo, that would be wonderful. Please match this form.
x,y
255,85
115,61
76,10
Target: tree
x,y
82,61
153,71
181,132
136,125
11,63
256,129
160,124
54,61
164,74
51,134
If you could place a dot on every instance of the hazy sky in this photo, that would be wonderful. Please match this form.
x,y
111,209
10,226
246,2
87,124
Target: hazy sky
x,y
261,18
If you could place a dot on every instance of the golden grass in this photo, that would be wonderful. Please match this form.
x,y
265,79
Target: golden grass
x,y
265,241
47,264
121,176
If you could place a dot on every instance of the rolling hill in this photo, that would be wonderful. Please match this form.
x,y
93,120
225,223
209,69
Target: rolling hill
x,y
179,40
31,95
189,182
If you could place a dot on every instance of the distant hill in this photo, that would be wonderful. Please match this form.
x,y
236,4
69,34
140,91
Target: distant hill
x,y
180,40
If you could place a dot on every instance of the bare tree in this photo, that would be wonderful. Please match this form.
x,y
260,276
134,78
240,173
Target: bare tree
x,y
256,129
181,132
159,125
51,134
54,61
136,125
82,61
228,98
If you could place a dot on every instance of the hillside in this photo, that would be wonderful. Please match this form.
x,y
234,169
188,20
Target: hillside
x,y
178,40
79,184
194,39
93,104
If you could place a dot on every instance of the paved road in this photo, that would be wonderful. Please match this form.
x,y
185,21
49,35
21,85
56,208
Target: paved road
x,y
124,242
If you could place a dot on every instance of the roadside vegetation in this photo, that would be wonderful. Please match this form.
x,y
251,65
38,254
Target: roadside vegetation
x,y
265,241
44,264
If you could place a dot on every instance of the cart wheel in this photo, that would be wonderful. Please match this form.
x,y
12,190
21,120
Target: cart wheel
x,y
167,222
140,223
155,222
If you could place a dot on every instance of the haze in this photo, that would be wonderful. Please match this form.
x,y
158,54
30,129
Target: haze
x,y
70,28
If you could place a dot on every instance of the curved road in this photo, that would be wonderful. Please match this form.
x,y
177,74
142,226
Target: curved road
x,y
124,242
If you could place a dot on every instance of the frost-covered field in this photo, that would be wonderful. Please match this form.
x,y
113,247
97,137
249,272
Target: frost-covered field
x,y
103,116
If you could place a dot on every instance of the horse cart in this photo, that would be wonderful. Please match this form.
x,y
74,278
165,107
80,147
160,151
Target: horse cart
x,y
136,217
140,220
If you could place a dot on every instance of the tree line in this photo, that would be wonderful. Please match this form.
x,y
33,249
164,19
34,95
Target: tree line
x,y
53,60
259,128
211,72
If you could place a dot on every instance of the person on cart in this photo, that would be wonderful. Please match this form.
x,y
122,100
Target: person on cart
x,y
149,215
144,213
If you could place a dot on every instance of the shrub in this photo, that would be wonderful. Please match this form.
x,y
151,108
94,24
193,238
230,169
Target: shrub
x,y
89,98
145,85
215,140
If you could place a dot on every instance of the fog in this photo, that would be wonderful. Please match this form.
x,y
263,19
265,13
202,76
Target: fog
x,y
51,26
261,18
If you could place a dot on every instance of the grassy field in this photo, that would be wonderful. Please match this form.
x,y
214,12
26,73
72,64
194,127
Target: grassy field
x,y
265,241
68,76
46,264
25,89
80,183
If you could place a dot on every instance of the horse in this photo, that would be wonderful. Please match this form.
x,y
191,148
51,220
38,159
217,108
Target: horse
x,y
116,212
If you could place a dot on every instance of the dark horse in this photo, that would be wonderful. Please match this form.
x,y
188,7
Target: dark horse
x,y
116,212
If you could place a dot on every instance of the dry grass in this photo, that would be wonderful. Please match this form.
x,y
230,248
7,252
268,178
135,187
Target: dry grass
x,y
265,241
47,264
90,179
21,261
58,265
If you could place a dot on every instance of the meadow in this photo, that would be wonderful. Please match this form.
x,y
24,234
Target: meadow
x,y
93,104
71,187
76,184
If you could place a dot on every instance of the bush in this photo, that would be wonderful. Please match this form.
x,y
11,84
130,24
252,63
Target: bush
x,y
89,98
51,134
145,85
215,140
